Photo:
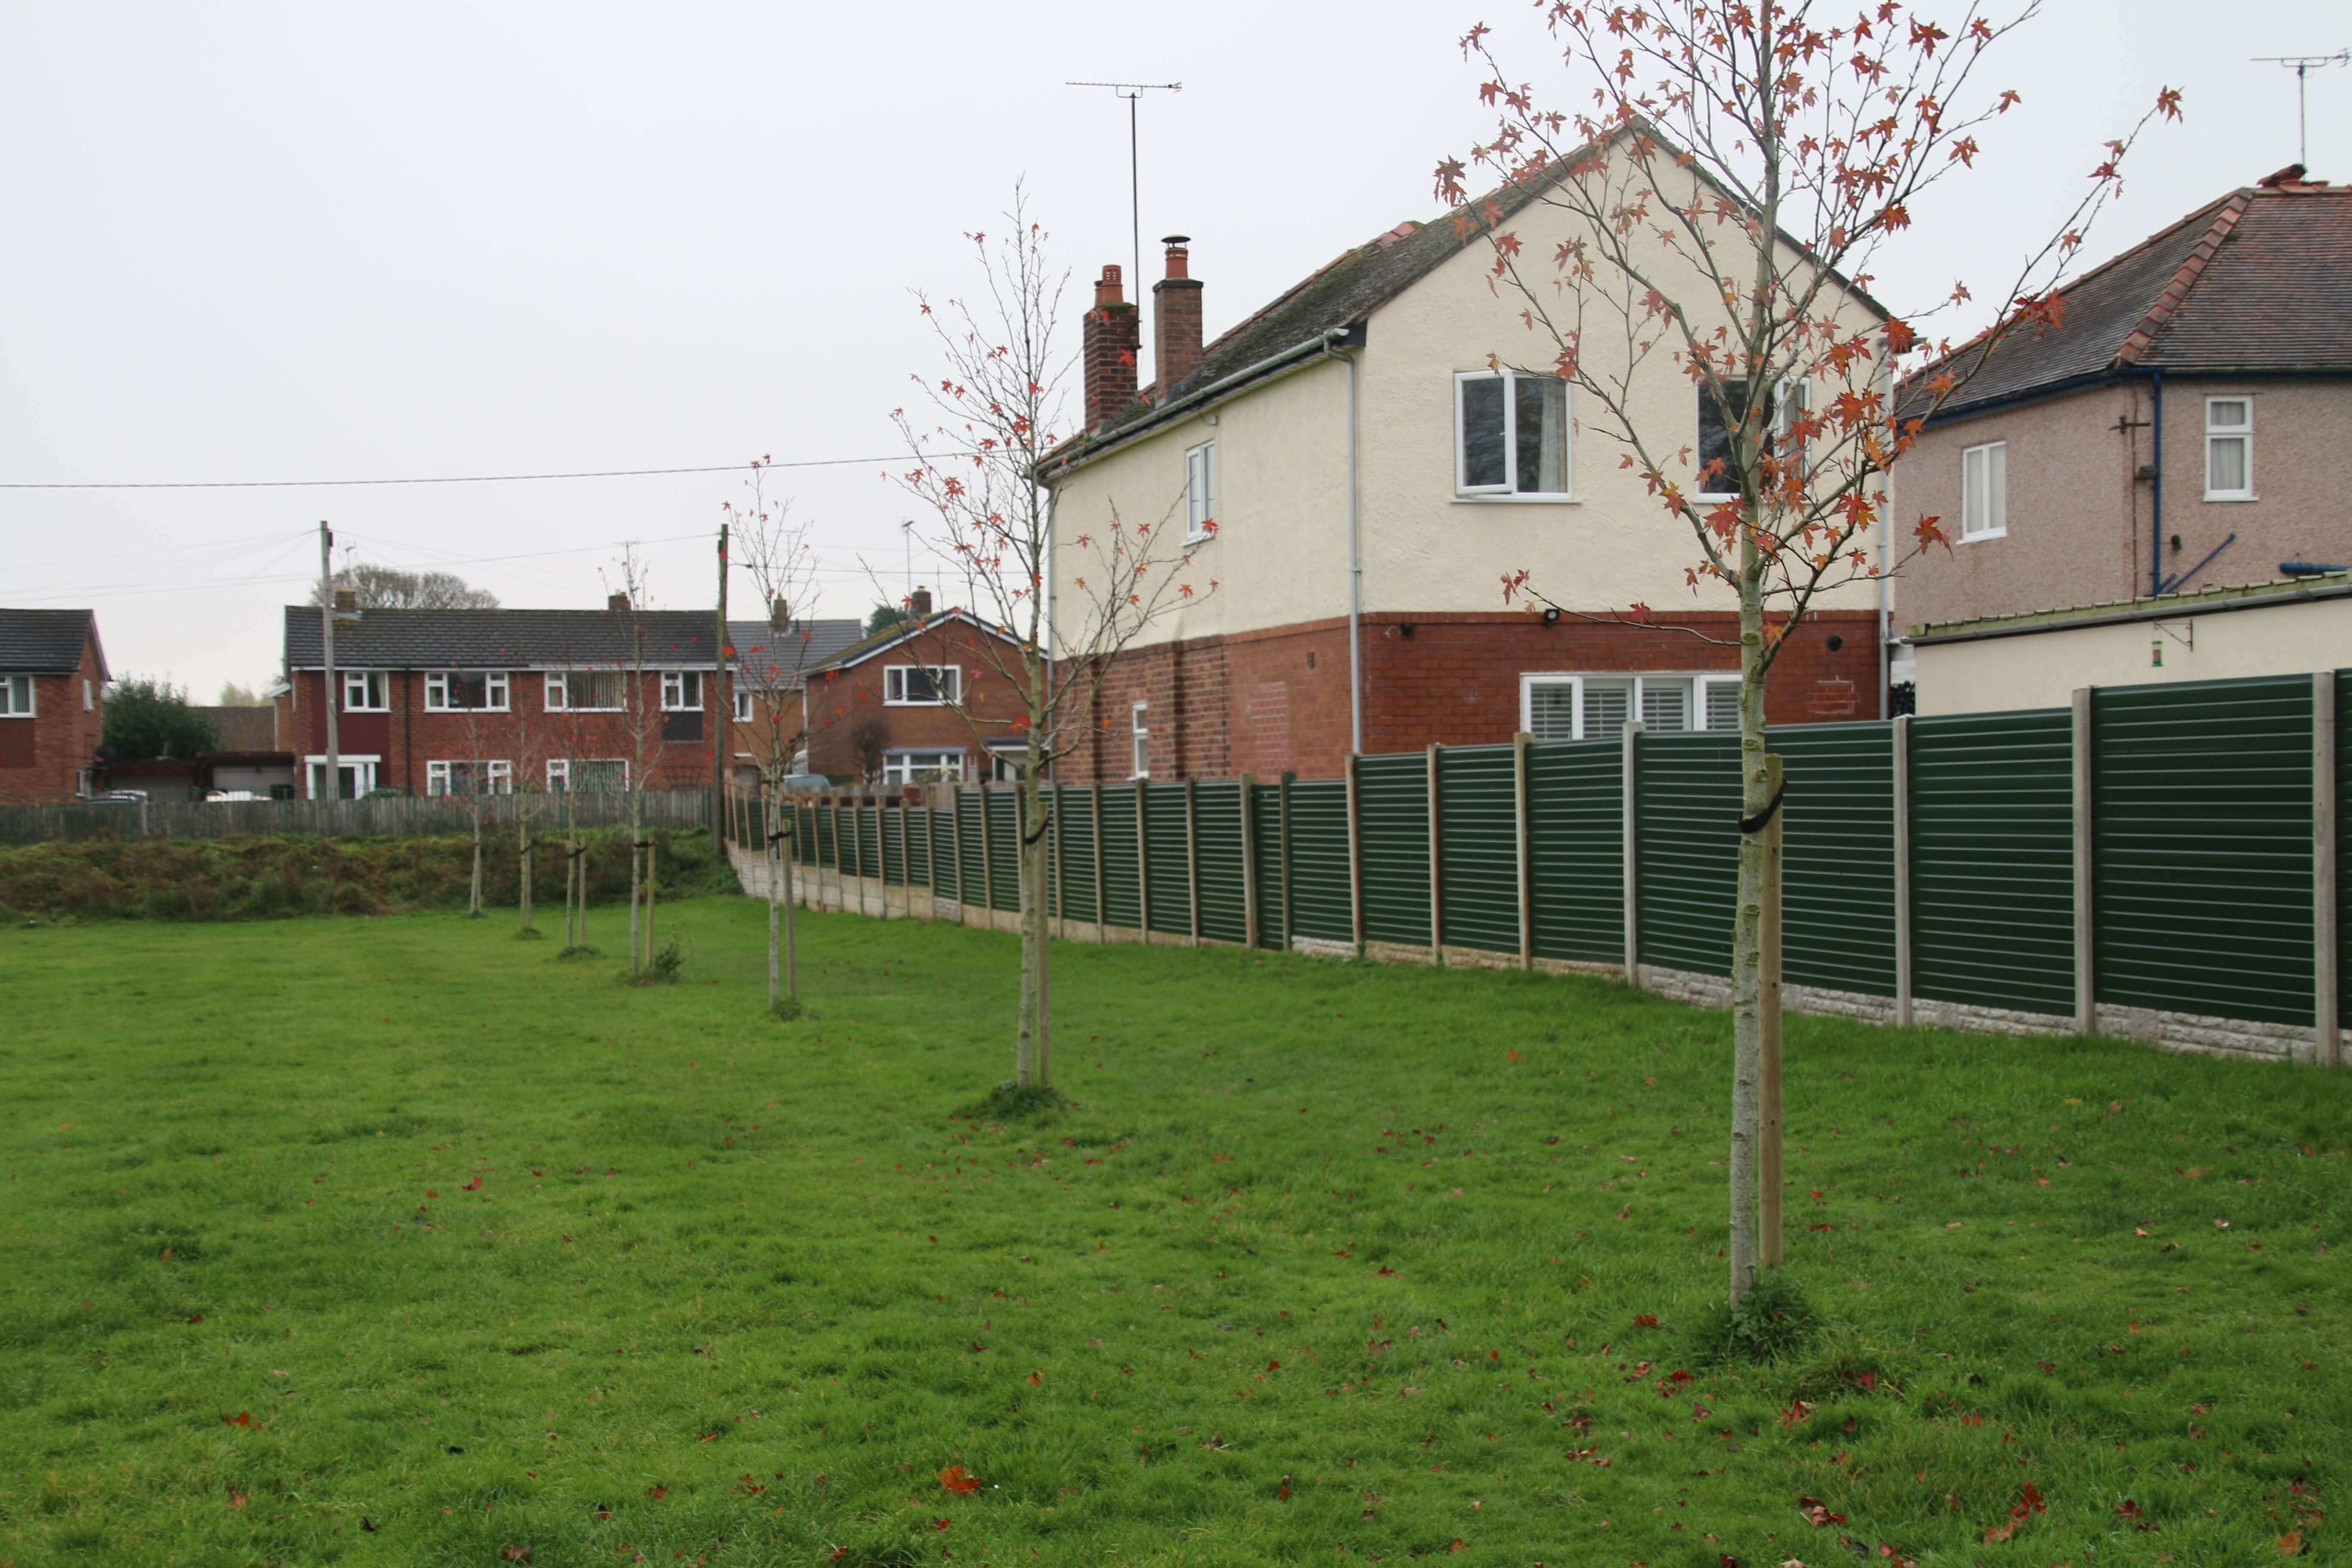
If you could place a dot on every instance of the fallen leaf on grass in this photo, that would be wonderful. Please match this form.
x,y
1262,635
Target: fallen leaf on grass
x,y
958,1480
1817,1512
2025,1508
235,1498
656,1492
514,1554
240,1419
2291,1543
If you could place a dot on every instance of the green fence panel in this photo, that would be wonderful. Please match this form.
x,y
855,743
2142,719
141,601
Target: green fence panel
x,y
971,876
803,845
1004,848
2343,846
1687,849
869,841
1217,818
1121,858
1393,814
1266,861
947,856
1164,842
918,846
1073,807
2202,847
1478,839
1992,860
827,851
893,858
1837,857
1576,849
1318,860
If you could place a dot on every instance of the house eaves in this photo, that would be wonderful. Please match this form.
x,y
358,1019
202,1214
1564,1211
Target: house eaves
x,y
2163,607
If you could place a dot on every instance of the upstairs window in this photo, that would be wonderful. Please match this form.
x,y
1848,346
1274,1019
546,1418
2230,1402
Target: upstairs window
x,y
922,685
1200,493
2229,448
16,696
363,691
1717,420
466,691
742,705
586,692
1984,492
1510,435
681,691
1139,726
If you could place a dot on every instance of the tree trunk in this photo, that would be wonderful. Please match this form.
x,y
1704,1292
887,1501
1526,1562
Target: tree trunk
x,y
474,899
775,862
1747,948
636,868
789,855
1028,1064
652,884
523,847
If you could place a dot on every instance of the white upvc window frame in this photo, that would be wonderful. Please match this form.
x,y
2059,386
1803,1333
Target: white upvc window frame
x,y
363,773
1201,493
894,686
1792,400
1706,404
902,765
1698,683
88,695
497,773
1507,490
372,683
2242,433
558,695
559,771
495,690
1138,734
673,681
741,699
1990,519
20,696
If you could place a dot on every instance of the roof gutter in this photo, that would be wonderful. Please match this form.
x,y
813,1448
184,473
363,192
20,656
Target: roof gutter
x,y
1294,357
2178,609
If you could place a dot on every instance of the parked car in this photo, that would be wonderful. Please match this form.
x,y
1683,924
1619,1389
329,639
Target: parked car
x,y
232,794
120,797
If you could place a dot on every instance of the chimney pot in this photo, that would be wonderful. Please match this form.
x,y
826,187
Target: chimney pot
x,y
1176,316
1113,337
919,603
347,601
616,602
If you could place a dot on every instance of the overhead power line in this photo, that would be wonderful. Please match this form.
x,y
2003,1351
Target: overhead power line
x,y
435,480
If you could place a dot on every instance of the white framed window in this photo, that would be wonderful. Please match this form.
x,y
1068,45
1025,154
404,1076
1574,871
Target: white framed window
x,y
681,691
2229,448
1139,730
1715,420
921,685
912,767
1199,492
1570,707
489,775
586,692
16,697
466,691
1984,492
742,705
1008,759
1794,404
357,776
88,695
1511,435
364,691
588,775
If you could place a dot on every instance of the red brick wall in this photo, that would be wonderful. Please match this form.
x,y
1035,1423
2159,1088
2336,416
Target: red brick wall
x,y
59,740
1271,700
527,734
841,702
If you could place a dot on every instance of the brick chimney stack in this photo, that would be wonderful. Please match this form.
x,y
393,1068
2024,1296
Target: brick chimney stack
x,y
1176,317
780,617
347,601
1113,336
616,603
919,603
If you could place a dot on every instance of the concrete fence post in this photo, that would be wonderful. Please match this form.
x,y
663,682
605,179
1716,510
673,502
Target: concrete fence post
x,y
1142,863
2087,976
1899,740
1102,915
2327,1024
1192,855
1436,867
1249,861
1633,895
1520,861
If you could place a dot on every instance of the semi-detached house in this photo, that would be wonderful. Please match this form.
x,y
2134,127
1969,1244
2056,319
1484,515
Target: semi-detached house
x,y
53,680
1375,455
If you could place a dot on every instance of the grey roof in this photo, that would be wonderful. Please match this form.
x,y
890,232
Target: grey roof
x,y
498,639
760,647
890,637
46,642
2255,281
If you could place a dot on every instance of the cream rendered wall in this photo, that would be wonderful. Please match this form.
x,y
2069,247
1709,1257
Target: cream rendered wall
x,y
1280,495
2041,669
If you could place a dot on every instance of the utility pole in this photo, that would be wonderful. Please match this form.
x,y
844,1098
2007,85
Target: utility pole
x,y
334,780
2302,66
722,705
1133,92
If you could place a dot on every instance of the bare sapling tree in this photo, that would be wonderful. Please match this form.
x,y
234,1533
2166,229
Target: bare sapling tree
x,y
530,798
471,782
996,404
576,775
641,724
1713,222
777,549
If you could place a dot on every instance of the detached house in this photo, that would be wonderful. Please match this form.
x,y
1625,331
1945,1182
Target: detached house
x,y
455,702
1373,465
926,701
773,661
53,680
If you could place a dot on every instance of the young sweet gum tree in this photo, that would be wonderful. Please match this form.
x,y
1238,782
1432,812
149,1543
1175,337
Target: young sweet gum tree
x,y
997,404
1716,182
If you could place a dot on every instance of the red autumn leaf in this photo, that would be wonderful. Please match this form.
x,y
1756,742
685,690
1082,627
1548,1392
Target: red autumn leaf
x,y
195,1316
514,1554
239,1419
431,1194
1817,1512
1511,1056
958,1480
475,1185
1283,1495
1035,1377
2291,1543
941,1523
1274,1366
1646,1320
656,1492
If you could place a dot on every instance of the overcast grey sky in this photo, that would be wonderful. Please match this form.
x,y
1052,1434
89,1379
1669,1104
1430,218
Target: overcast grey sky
x,y
277,241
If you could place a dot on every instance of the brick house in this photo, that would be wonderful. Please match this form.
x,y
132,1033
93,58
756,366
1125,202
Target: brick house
x,y
449,701
902,706
2181,428
773,661
1372,464
53,680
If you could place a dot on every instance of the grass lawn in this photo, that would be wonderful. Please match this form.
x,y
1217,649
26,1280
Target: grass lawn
x,y
398,1241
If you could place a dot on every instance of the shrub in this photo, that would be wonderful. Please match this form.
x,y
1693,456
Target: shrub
x,y
1773,1320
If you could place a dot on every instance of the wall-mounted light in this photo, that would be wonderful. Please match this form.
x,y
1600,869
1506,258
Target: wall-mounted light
x,y
1551,614
1404,629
